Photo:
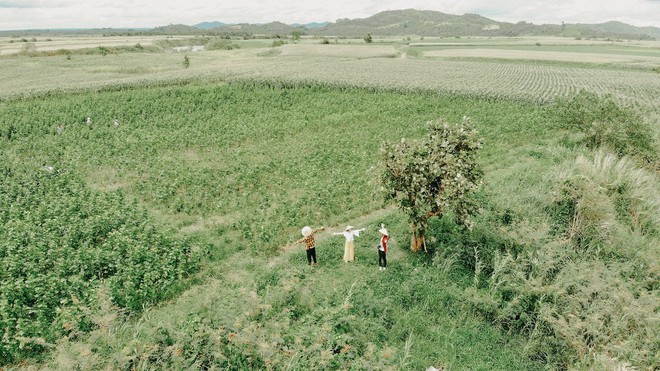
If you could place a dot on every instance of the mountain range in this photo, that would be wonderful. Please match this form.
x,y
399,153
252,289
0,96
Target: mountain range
x,y
430,23
408,22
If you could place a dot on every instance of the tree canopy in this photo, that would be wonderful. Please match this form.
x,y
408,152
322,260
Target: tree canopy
x,y
430,176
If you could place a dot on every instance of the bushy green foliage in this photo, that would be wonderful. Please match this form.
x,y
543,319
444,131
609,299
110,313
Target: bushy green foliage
x,y
59,241
368,38
429,177
605,122
221,44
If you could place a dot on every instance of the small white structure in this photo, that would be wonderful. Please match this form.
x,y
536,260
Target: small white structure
x,y
88,121
192,48
116,123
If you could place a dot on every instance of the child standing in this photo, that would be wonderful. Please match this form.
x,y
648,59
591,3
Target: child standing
x,y
310,243
349,247
382,248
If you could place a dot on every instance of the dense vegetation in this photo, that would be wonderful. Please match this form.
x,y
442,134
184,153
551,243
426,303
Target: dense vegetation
x,y
560,261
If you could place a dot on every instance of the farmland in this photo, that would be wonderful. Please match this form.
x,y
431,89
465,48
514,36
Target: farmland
x,y
472,71
192,203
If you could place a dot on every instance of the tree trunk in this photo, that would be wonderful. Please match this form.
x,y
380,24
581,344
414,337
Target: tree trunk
x,y
417,240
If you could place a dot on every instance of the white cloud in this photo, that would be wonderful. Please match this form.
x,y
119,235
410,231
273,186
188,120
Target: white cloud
x,y
23,14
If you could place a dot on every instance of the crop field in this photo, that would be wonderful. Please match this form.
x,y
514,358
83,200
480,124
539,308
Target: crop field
x,y
467,72
561,56
159,234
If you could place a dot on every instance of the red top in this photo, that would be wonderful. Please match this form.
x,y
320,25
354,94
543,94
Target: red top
x,y
383,243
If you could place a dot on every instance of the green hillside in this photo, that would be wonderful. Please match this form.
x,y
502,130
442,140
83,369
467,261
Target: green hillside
x,y
434,23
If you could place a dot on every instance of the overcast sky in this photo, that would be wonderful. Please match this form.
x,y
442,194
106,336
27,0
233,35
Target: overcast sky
x,y
30,14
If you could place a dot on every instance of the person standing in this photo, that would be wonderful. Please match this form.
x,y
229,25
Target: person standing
x,y
310,243
382,248
349,247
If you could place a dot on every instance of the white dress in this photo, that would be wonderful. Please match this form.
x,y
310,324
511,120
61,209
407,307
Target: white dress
x,y
349,246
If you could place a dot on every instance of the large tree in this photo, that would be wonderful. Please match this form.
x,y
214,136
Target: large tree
x,y
430,176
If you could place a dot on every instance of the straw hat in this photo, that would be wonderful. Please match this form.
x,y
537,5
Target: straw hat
x,y
348,227
383,230
306,231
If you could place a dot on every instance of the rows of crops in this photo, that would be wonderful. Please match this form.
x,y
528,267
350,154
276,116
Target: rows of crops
x,y
536,81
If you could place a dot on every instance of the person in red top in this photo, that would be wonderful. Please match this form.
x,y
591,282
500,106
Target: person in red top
x,y
382,248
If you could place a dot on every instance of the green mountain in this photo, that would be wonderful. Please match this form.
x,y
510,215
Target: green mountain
x,y
434,23
175,29
421,23
272,28
616,27
209,25
410,21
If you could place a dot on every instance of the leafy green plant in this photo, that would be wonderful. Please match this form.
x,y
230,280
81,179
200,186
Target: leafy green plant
x,y
427,178
604,122
59,241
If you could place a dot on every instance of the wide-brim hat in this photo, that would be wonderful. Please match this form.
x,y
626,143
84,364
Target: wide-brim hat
x,y
306,231
348,227
384,231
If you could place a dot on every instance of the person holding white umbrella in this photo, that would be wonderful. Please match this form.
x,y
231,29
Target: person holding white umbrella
x,y
349,247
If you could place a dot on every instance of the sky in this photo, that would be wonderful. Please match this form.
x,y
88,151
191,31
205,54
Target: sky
x,y
49,14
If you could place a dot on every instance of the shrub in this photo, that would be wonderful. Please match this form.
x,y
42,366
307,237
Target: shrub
x,y
604,122
29,49
59,242
221,44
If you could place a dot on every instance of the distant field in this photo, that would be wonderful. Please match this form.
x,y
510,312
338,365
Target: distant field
x,y
14,45
561,56
379,65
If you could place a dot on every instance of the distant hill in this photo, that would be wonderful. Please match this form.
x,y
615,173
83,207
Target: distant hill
x,y
272,28
175,29
209,25
434,23
616,27
389,23
427,23
411,22
311,25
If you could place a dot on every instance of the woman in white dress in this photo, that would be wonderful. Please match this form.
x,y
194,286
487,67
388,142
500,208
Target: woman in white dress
x,y
349,248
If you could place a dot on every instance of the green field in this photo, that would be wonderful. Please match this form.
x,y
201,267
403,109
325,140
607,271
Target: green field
x,y
167,242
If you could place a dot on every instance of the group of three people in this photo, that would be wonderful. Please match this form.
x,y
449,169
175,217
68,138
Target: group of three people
x,y
349,247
